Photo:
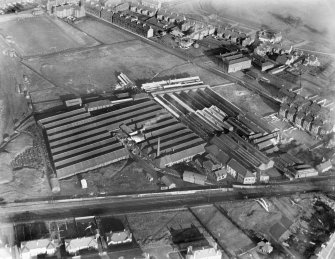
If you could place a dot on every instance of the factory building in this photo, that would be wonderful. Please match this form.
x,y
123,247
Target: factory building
x,y
262,62
195,178
303,171
233,62
80,141
207,113
98,105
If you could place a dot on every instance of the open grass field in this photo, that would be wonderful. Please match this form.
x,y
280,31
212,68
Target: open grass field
x,y
39,35
101,31
151,230
224,231
96,69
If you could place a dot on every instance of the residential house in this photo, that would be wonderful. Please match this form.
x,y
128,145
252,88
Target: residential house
x,y
203,253
120,237
220,174
34,248
324,166
264,178
168,182
232,166
72,246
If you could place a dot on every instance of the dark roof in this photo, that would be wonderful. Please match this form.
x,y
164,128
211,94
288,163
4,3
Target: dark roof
x,y
237,167
221,156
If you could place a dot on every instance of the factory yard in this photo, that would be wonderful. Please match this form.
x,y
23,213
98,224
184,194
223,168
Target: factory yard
x,y
115,179
42,35
246,99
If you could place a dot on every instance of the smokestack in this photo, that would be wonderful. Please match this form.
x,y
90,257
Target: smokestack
x,y
158,147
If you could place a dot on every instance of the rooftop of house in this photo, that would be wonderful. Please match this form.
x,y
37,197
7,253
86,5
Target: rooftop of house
x,y
37,244
325,165
80,243
220,172
203,252
120,236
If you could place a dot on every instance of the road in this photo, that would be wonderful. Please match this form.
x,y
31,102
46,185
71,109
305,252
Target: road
x,y
116,205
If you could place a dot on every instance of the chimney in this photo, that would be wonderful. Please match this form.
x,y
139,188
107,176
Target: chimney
x,y
159,147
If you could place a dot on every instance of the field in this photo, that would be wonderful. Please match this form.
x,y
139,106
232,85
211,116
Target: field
x,y
27,184
42,35
151,230
230,237
98,67
102,31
